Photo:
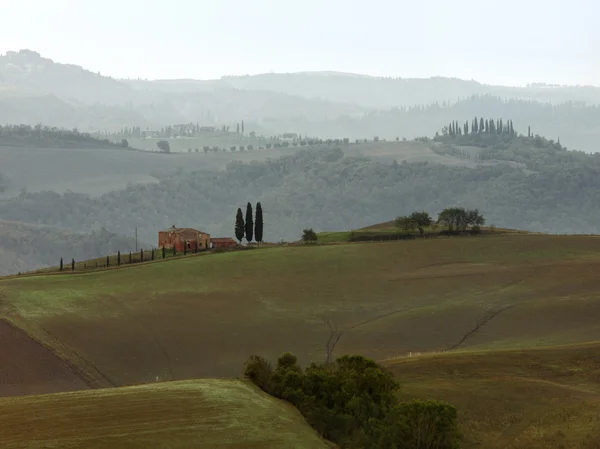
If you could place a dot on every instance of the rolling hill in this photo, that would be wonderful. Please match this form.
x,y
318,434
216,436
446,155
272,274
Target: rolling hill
x,y
495,307
203,414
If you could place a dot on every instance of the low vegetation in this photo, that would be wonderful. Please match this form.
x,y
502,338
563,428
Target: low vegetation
x,y
353,403
46,136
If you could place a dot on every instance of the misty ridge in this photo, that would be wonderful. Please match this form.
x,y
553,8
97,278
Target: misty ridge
x,y
81,164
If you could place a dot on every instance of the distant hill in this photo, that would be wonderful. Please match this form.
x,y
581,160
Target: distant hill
x,y
34,89
25,246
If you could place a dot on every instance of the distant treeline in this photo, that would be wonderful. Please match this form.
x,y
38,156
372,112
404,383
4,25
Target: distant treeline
x,y
18,135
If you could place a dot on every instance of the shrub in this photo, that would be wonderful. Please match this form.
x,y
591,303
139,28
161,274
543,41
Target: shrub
x,y
259,371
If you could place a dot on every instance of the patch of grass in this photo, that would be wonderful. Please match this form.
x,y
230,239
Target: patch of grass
x,y
203,316
200,414
520,399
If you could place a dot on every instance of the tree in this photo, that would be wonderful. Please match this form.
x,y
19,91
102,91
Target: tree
x,y
404,223
124,143
421,220
237,130
481,125
107,261
118,258
239,225
164,146
308,235
61,264
258,225
72,264
249,223
242,127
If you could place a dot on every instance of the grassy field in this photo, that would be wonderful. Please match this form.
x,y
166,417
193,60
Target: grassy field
x,y
491,304
200,414
100,171
547,398
203,316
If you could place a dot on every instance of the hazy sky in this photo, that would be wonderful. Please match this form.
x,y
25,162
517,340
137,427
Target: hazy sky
x,y
504,42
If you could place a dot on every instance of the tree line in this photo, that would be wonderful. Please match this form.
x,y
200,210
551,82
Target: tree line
x,y
454,219
480,126
52,136
353,402
249,228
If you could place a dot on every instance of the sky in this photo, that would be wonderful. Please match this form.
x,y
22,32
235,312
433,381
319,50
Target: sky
x,y
505,42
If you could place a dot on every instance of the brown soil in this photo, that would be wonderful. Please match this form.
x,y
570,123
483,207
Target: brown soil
x,y
27,367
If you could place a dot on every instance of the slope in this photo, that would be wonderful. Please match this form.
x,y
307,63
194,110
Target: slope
x,y
200,414
546,398
203,316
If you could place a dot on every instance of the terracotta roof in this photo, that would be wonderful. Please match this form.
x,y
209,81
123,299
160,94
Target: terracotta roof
x,y
188,233
222,240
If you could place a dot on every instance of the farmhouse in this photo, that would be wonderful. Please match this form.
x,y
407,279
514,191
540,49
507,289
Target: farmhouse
x,y
223,242
183,239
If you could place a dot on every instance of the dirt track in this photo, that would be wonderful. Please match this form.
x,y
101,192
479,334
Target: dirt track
x,y
27,367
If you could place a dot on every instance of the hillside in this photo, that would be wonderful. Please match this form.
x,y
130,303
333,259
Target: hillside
x,y
35,89
200,414
397,305
25,247
525,183
522,399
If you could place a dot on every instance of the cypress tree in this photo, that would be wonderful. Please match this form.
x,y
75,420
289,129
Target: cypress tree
x,y
118,258
163,252
475,126
72,264
184,248
152,254
501,127
529,131
61,264
130,258
487,126
481,125
174,250
466,129
258,225
107,261
240,227
249,223
141,255
512,130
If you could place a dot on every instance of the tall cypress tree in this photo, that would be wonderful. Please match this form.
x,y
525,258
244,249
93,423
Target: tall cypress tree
x,y
61,264
239,225
249,223
258,225
487,126
475,126
481,125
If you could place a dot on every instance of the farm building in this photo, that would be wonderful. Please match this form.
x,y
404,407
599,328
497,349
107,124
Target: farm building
x,y
183,239
223,242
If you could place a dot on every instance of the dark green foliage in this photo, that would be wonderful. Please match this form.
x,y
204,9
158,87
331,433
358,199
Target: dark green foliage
x,y
174,250
240,227
118,258
352,402
309,235
461,219
416,220
61,264
130,258
72,264
184,248
141,255
152,254
107,261
249,223
258,225
164,146
27,135
164,255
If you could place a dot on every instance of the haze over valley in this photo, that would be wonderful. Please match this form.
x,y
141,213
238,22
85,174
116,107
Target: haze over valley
x,y
305,225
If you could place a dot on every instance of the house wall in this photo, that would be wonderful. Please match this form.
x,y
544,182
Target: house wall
x,y
170,239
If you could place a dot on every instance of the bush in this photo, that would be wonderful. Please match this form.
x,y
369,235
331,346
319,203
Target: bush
x,y
353,403
259,371
421,425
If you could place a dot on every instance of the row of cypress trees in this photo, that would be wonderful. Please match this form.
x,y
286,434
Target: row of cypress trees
x,y
249,228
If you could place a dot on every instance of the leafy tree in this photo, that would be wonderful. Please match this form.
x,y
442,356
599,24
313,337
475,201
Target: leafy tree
x,y
164,146
124,143
421,220
309,235
249,223
258,225
405,223
240,227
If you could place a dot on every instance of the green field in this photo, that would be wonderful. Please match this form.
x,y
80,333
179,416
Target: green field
x,y
202,316
200,414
